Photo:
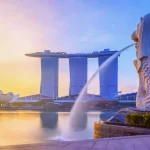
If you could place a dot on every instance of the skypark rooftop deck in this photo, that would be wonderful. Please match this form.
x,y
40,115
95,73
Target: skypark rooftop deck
x,y
48,53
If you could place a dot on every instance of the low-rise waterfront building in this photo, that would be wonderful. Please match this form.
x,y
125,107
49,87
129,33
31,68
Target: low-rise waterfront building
x,y
6,99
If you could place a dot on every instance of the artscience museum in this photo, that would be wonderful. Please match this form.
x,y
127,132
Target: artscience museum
x,y
5,99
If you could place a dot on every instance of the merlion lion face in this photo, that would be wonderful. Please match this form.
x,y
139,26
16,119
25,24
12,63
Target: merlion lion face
x,y
142,37
136,36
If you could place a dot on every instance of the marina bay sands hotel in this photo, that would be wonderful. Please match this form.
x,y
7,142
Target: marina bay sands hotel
x,y
108,76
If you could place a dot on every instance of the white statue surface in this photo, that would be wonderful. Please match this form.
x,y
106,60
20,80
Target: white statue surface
x,y
142,63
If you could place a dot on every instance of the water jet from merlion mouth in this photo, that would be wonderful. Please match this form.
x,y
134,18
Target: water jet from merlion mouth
x,y
78,110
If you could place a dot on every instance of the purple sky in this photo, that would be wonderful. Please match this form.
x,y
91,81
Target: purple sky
x,y
65,25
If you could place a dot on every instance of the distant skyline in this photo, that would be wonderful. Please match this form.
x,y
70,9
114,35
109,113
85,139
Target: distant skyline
x,y
65,25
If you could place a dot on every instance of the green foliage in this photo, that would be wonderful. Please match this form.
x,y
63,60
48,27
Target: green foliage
x,y
138,120
19,104
39,103
147,120
129,119
22,104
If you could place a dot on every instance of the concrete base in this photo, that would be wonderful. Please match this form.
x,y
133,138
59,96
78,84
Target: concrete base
x,y
103,130
119,143
117,125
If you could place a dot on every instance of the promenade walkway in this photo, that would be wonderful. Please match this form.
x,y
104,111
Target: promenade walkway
x,y
119,143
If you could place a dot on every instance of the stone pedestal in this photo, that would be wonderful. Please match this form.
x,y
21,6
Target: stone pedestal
x,y
117,125
104,130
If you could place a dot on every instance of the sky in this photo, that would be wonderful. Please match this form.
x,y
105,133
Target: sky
x,y
28,26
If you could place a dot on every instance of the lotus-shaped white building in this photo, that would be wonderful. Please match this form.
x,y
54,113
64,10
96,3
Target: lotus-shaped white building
x,y
8,98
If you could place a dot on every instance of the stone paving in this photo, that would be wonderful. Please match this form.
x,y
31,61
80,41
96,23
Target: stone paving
x,y
119,143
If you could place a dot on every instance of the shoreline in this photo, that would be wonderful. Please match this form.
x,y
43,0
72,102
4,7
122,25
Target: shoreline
x,y
58,110
102,108
11,108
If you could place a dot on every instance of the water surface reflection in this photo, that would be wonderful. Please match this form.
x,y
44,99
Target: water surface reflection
x,y
49,120
20,127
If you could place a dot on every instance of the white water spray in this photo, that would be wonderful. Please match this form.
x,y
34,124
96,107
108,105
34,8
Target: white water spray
x,y
78,111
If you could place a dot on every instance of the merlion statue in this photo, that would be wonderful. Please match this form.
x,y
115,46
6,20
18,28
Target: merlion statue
x,y
142,63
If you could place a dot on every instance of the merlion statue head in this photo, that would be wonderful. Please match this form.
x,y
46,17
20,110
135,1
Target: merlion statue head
x,y
142,37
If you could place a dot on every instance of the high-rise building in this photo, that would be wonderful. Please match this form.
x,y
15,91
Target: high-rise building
x,y
108,76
